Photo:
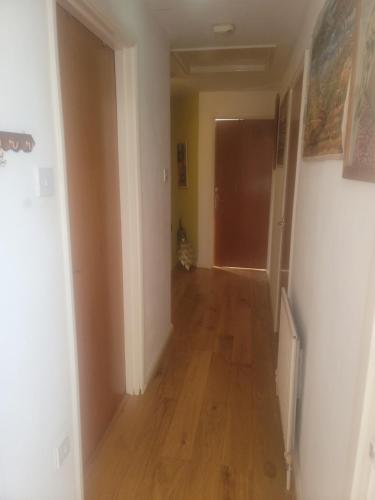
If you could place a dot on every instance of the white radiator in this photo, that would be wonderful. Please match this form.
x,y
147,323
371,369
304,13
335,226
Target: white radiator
x,y
286,378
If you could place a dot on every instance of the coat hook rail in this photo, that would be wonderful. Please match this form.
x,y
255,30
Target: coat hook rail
x,y
16,142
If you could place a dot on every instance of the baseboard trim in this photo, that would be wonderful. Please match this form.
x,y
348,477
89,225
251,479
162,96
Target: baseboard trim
x,y
105,435
234,268
154,369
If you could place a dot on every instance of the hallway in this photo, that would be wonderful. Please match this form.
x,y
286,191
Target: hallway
x,y
208,425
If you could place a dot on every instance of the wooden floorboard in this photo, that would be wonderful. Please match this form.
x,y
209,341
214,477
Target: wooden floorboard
x,y
208,425
180,438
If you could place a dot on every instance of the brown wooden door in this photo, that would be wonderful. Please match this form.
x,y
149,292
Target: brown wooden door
x,y
89,109
243,157
290,182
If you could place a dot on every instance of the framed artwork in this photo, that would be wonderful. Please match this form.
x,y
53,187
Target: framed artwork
x,y
359,158
277,117
331,64
182,173
282,134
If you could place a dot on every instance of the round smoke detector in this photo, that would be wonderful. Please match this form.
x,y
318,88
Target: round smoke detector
x,y
223,28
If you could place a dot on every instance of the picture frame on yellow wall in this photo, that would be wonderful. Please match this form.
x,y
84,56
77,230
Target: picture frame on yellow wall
x,y
182,165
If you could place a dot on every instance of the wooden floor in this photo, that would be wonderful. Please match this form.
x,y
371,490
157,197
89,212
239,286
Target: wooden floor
x,y
208,425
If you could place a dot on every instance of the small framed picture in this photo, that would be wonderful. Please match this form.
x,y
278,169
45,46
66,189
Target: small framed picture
x,y
182,170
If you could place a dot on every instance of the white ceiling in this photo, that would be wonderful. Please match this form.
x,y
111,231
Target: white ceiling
x,y
188,24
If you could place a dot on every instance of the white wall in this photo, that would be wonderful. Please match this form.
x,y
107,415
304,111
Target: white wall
x,y
37,400
334,248
154,99
36,365
249,104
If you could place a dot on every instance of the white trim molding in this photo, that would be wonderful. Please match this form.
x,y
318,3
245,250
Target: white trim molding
x,y
305,84
289,96
62,186
297,477
131,217
130,182
96,22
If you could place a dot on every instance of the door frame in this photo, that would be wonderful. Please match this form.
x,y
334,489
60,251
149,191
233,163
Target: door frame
x,y
126,64
289,93
206,189
305,67
237,117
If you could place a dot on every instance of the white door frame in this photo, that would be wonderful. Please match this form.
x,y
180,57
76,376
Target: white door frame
x,y
206,184
223,118
305,88
130,200
130,181
289,93
305,67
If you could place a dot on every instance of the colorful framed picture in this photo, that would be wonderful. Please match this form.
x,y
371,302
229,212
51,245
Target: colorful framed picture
x,y
283,132
359,158
182,168
331,64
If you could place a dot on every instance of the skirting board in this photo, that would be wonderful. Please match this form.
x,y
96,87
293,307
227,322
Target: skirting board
x,y
297,478
157,364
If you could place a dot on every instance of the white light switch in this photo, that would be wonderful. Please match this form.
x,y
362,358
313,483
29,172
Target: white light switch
x,y
44,182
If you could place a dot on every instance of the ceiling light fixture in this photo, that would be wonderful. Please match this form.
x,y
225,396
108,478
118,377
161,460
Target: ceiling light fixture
x,y
223,29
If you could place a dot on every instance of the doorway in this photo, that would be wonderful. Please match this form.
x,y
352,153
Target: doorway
x,y
244,154
285,180
290,182
88,85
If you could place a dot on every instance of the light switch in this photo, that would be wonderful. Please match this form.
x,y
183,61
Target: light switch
x,y
44,182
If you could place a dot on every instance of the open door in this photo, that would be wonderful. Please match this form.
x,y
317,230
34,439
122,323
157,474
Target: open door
x,y
88,86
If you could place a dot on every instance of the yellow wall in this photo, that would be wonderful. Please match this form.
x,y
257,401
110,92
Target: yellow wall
x,y
184,128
